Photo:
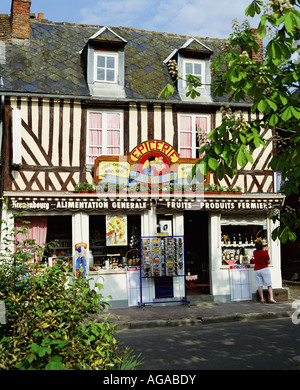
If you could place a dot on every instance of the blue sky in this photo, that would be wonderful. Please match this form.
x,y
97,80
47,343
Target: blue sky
x,y
201,18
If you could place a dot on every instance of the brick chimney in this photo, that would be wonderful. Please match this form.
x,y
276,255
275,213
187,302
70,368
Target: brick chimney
x,y
20,19
259,55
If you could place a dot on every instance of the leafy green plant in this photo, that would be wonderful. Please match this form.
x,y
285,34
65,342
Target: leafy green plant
x,y
84,187
49,323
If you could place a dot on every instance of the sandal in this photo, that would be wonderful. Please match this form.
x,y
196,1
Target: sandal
x,y
262,301
272,301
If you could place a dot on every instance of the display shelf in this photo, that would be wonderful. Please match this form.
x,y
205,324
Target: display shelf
x,y
237,245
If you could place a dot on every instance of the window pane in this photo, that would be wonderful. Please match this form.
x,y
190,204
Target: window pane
x,y
110,75
186,123
197,69
110,62
185,139
113,121
95,138
113,138
101,61
95,120
189,68
201,123
113,151
100,74
186,153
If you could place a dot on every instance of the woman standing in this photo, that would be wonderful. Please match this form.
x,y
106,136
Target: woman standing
x,y
261,271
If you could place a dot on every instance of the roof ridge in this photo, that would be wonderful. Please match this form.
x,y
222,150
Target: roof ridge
x,y
184,36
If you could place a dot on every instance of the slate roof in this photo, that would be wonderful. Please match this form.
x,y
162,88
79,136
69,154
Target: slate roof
x,y
51,61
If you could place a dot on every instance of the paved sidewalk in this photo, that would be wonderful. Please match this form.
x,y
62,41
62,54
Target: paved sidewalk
x,y
179,315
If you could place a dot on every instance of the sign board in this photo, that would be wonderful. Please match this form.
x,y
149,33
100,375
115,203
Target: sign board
x,y
220,204
132,204
70,204
151,162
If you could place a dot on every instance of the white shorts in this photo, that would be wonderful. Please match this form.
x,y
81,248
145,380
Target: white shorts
x,y
263,277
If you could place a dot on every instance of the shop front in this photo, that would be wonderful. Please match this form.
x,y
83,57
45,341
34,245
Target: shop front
x,y
156,250
149,235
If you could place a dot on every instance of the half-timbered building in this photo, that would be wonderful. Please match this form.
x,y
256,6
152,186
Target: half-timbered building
x,y
79,104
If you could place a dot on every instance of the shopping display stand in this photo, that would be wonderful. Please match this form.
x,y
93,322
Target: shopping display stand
x,y
161,257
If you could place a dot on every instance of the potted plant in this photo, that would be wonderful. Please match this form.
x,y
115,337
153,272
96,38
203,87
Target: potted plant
x,y
100,188
178,188
132,189
122,188
166,188
211,189
232,190
197,188
143,188
84,188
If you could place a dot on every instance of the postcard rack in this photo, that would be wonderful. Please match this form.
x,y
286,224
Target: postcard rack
x,y
161,257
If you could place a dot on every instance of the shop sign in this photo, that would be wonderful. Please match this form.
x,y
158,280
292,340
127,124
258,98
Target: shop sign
x,y
154,146
150,163
216,205
75,205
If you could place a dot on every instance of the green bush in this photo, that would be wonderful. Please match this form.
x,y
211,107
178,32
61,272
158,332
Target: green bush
x,y
48,321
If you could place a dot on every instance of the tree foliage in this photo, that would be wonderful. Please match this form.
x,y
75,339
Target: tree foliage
x,y
271,86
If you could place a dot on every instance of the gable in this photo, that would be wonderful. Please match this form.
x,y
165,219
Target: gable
x,y
106,34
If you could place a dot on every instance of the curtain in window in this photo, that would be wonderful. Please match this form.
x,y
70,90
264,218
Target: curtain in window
x,y
37,229
104,135
185,136
95,136
201,128
113,133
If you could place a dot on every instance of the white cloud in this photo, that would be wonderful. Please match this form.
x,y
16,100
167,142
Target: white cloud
x,y
190,17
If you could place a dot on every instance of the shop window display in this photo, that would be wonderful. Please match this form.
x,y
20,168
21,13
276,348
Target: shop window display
x,y
59,231
237,238
110,249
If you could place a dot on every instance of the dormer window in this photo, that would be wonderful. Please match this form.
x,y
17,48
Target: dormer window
x,y
192,58
195,68
105,60
106,67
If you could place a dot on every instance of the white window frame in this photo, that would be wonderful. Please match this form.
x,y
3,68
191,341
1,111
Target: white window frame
x,y
104,145
201,76
106,54
194,146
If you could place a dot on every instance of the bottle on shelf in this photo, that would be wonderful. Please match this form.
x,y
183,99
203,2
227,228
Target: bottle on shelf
x,y
246,239
233,239
236,255
251,241
240,239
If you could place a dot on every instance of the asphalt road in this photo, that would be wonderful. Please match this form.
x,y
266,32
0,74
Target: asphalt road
x,y
252,345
